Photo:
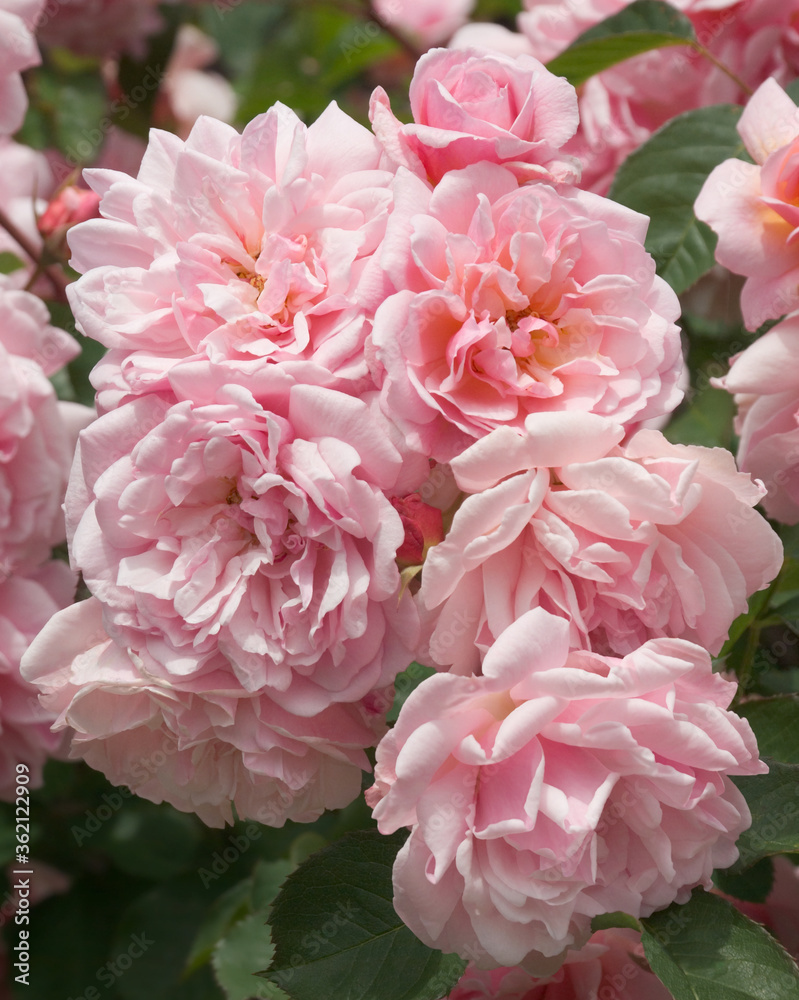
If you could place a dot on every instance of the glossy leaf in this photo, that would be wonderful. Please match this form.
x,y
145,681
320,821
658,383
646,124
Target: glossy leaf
x,y
336,932
662,179
644,25
708,950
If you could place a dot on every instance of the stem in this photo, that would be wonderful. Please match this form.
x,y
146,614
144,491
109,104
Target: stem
x,y
57,277
720,65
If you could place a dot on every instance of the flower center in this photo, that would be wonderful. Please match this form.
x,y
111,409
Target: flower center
x,y
512,318
256,280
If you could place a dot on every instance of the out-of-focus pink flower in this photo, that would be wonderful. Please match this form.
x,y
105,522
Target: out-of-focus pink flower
x,y
243,527
611,966
257,246
423,526
652,539
753,207
765,381
471,106
18,52
426,22
556,786
491,37
189,89
201,743
37,433
517,300
27,601
99,27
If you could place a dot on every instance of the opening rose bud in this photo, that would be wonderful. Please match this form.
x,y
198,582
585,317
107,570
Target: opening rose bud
x,y
423,526
69,206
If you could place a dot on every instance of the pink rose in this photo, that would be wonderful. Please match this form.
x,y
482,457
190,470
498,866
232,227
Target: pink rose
x,y
37,432
556,786
27,601
471,106
18,52
627,543
243,527
100,27
612,966
70,206
752,207
429,22
202,743
765,380
517,300
247,247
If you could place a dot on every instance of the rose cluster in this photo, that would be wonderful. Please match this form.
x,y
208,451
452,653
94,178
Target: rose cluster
x,y
376,396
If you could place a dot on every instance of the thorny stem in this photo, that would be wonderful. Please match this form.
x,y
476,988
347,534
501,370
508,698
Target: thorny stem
x,y
57,277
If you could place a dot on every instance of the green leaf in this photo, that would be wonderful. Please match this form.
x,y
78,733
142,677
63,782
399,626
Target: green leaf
x,y
644,25
758,604
662,179
245,951
708,950
337,935
9,262
267,880
404,684
773,800
706,421
616,919
80,113
304,846
753,885
775,722
251,896
229,908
